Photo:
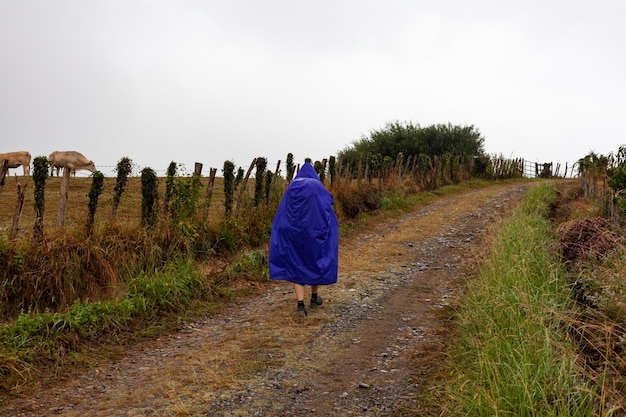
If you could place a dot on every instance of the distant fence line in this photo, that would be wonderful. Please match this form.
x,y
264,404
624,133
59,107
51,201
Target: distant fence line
x,y
530,169
422,171
546,170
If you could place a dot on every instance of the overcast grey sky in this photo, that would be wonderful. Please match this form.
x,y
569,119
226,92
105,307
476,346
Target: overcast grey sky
x,y
209,81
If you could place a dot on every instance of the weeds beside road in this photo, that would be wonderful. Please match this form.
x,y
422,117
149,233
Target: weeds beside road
x,y
513,354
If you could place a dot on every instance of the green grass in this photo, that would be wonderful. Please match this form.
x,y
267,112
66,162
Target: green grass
x,y
251,265
36,339
512,356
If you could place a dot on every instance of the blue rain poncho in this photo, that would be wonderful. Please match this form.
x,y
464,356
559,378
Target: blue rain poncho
x,y
304,244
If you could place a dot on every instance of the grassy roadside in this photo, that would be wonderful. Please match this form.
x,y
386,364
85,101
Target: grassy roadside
x,y
511,354
36,344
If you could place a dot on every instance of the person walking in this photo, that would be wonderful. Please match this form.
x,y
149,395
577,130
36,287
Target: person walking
x,y
304,240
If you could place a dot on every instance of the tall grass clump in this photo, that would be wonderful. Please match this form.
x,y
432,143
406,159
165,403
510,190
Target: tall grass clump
x,y
168,290
512,355
251,265
35,341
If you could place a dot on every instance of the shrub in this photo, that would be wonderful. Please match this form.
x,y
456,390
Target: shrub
x,y
40,175
617,182
269,179
332,170
97,184
229,187
184,199
124,168
291,168
229,234
239,177
358,198
169,184
150,196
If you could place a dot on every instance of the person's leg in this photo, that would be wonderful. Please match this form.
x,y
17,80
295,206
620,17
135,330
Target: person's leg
x,y
314,288
316,300
299,291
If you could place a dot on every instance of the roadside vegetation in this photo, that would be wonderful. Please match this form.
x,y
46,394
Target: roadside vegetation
x,y
536,336
511,355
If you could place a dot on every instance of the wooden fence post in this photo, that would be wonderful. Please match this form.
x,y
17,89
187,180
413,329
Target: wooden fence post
x,y
18,210
4,170
197,169
63,196
209,187
243,187
209,191
276,174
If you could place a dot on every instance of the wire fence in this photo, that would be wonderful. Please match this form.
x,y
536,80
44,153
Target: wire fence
x,y
532,169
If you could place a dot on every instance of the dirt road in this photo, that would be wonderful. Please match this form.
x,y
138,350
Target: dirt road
x,y
365,352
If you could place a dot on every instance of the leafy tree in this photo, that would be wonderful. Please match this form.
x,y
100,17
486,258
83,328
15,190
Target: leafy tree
x,y
412,139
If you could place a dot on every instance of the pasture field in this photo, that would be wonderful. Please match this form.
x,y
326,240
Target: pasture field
x,y
128,212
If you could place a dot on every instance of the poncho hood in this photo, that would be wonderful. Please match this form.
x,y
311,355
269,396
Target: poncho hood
x,y
304,242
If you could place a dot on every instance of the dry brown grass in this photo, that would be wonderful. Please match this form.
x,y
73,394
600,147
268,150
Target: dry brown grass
x,y
70,264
